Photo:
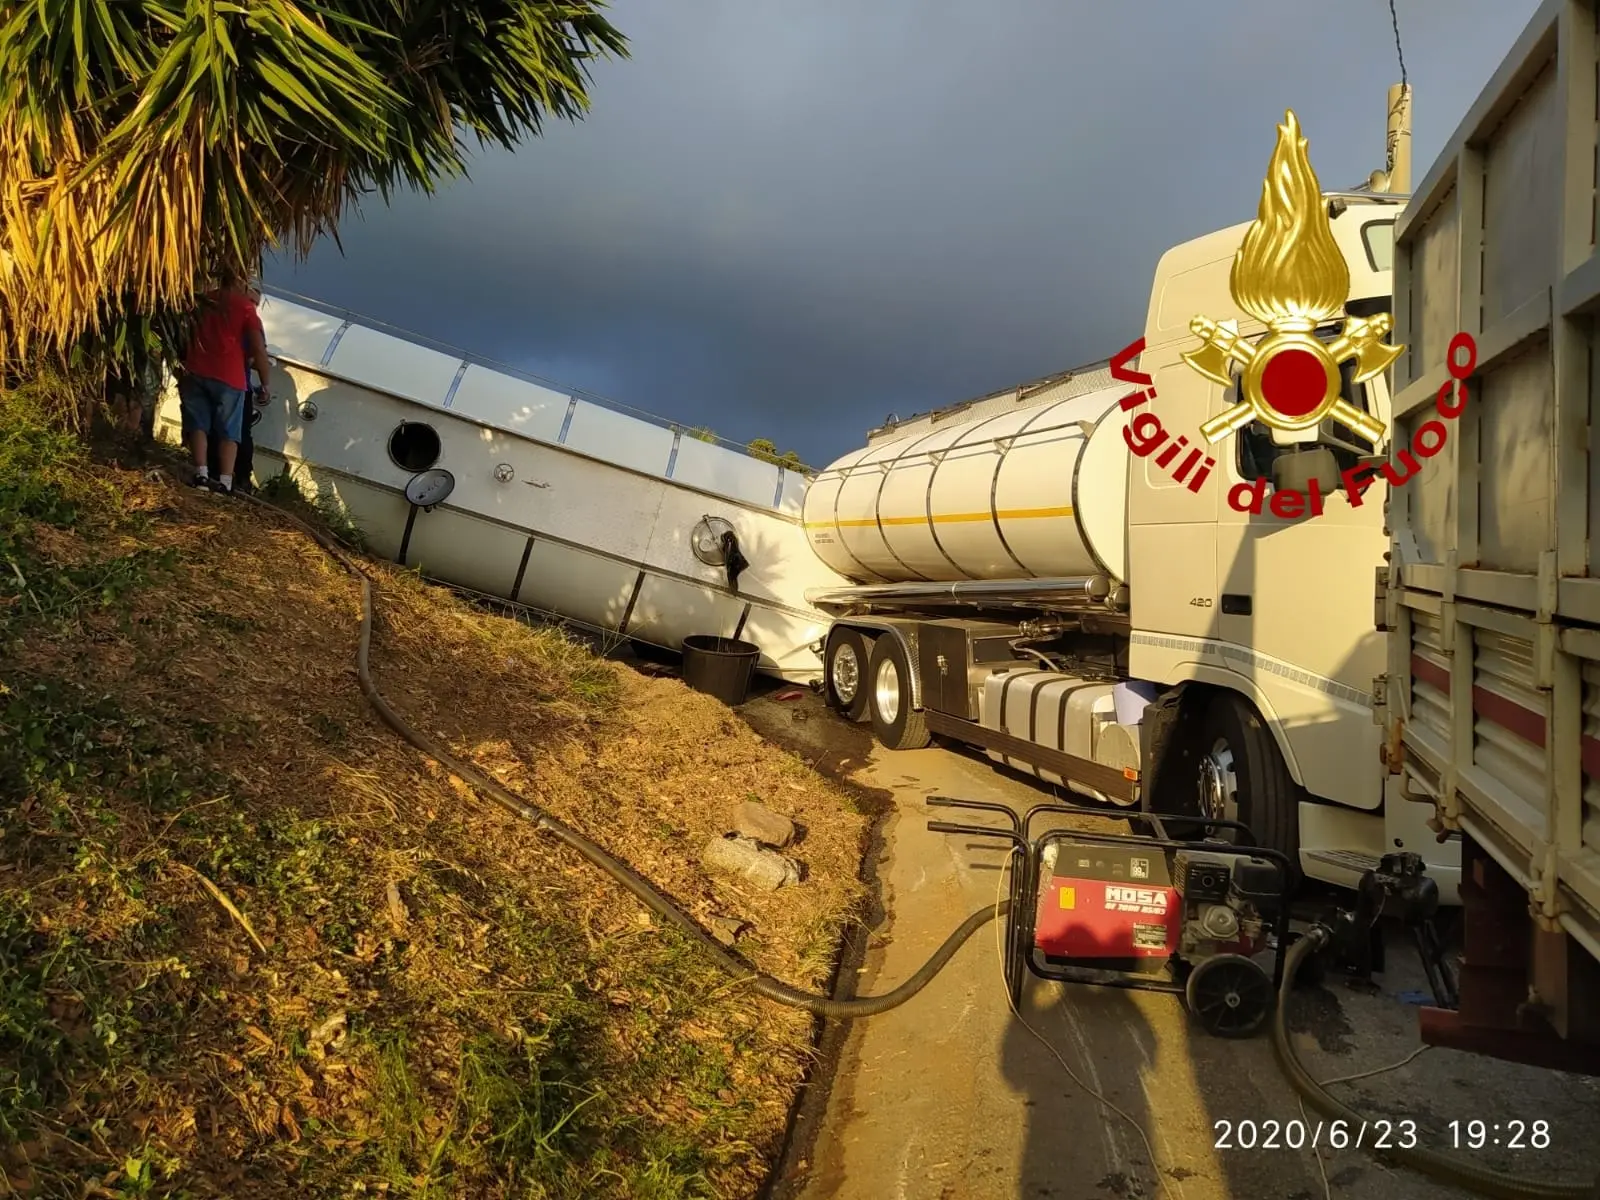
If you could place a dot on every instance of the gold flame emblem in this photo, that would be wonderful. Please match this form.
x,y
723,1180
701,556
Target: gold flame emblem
x,y
1290,275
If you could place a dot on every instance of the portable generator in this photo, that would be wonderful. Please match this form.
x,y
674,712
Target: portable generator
x,y
1149,911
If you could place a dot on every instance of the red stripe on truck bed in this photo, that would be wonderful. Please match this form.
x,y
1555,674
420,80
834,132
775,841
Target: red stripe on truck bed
x,y
1524,722
1430,673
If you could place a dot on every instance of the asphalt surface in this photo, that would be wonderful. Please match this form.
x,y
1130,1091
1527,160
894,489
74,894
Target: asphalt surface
x,y
952,1097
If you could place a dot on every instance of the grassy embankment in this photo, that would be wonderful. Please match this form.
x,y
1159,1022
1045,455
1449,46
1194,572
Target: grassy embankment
x,y
253,945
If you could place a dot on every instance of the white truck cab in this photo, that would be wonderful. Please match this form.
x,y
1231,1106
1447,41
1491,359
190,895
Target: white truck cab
x,y
1085,587
1277,610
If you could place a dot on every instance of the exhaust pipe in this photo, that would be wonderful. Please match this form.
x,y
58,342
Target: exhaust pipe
x,y
1396,174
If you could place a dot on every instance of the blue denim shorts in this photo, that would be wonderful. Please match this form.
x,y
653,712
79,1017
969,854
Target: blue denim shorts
x,y
212,407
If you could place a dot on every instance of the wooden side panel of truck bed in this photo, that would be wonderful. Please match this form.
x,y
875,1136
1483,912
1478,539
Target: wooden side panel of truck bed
x,y
1494,598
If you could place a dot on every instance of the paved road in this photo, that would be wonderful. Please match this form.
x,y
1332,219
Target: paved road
x,y
951,1097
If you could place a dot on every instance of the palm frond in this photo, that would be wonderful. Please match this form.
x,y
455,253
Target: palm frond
x,y
143,143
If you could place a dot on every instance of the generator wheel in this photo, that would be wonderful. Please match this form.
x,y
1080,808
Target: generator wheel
x,y
1230,995
898,725
1242,777
845,673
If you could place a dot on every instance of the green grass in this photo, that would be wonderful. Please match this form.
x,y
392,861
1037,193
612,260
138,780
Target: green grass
x,y
128,994
45,479
325,508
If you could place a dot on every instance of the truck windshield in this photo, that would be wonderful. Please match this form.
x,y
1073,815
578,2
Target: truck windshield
x,y
1378,237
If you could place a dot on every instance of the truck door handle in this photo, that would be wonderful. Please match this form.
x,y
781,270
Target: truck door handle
x,y
1235,604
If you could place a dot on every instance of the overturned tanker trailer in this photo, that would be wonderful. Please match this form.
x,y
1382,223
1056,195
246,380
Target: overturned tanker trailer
x,y
614,520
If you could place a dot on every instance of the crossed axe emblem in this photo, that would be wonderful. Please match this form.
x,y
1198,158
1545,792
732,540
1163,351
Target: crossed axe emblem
x,y
1291,379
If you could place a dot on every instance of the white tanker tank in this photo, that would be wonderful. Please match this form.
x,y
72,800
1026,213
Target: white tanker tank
x,y
1036,493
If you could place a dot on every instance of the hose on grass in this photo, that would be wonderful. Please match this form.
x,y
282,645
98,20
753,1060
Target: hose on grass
x,y
1480,1180
489,788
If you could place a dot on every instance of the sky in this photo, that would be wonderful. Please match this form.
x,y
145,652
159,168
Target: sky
x,y
790,220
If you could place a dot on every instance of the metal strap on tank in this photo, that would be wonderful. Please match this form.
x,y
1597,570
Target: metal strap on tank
x,y
1005,445
1005,689
777,496
959,443
838,533
338,334
1033,711
566,421
633,598
877,503
1077,510
937,459
1073,685
522,568
450,396
672,456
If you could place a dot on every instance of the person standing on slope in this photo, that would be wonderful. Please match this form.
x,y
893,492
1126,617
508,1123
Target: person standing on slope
x,y
211,393
255,399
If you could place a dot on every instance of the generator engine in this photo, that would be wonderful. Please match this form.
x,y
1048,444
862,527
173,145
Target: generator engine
x,y
1230,900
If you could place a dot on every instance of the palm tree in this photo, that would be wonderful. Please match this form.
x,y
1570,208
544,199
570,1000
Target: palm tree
x,y
144,142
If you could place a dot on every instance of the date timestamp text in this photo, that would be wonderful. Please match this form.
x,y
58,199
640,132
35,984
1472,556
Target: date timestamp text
x,y
1400,1134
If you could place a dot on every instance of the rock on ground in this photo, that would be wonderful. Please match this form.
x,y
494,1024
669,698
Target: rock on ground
x,y
760,824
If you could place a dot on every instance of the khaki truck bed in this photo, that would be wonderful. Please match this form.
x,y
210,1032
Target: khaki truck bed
x,y
1493,600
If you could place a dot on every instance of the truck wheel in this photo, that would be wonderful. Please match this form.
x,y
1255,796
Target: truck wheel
x,y
1242,777
845,672
888,687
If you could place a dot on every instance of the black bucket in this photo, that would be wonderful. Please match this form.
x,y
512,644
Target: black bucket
x,y
719,666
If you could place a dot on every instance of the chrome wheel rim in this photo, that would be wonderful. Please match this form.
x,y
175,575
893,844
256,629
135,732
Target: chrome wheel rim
x,y
886,691
846,672
1219,784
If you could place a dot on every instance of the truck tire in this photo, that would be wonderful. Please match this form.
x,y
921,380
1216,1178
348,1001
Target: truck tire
x,y
888,688
845,672
1242,777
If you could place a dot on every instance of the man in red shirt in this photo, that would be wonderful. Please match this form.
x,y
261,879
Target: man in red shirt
x,y
211,393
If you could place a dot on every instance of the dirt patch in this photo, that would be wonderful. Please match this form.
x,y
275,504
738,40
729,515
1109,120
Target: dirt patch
x,y
265,949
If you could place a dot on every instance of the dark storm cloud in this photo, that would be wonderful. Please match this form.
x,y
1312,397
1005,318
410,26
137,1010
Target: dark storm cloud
x,y
788,220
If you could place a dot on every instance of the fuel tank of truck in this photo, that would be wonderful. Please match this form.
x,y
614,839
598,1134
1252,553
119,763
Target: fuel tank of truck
x,y
1035,493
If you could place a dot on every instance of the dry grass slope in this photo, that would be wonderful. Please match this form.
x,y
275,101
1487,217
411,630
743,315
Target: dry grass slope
x,y
253,945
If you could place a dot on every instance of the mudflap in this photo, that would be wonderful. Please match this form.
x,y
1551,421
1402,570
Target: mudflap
x,y
1167,754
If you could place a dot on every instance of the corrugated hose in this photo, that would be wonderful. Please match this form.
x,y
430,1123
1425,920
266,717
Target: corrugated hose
x,y
764,985
1480,1180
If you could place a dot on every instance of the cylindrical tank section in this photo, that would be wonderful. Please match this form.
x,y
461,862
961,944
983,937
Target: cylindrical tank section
x,y
1034,494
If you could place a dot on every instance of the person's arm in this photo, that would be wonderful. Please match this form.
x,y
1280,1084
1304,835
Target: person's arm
x,y
256,340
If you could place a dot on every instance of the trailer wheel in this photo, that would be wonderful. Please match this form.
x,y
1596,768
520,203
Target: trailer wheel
x,y
1242,777
845,673
888,685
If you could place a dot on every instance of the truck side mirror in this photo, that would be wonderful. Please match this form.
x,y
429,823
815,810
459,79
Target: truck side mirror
x,y
1295,470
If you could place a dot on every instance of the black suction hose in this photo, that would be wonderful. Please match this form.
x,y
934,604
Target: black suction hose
x,y
764,985
1477,1179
